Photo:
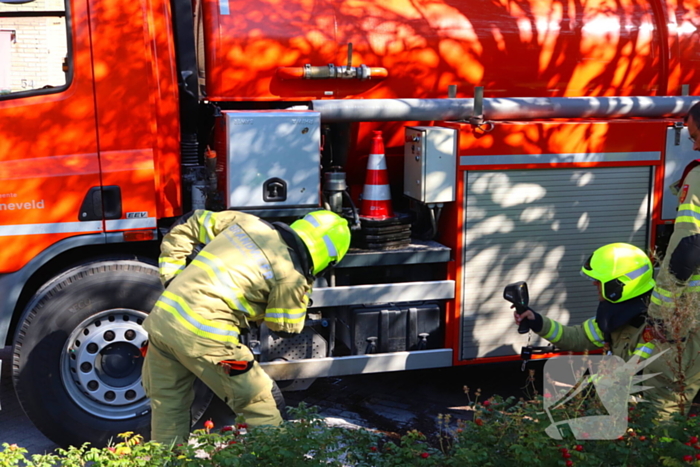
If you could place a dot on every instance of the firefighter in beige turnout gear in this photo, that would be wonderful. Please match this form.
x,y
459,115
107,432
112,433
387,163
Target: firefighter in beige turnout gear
x,y
248,271
623,275
680,268
678,279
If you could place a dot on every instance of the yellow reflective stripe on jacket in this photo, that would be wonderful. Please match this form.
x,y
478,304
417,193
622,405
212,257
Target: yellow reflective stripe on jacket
x,y
555,332
214,267
177,307
593,332
688,213
216,271
694,283
206,227
644,350
168,266
661,296
280,315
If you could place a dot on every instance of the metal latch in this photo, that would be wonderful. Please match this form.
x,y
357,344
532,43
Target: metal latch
x,y
678,126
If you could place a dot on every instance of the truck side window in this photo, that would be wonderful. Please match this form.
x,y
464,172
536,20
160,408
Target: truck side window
x,y
34,52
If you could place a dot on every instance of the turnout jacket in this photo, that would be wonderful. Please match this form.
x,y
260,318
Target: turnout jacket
x,y
245,272
625,341
641,336
630,337
680,267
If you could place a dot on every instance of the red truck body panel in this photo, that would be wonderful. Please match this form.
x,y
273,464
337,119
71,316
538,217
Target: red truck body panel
x,y
48,148
540,48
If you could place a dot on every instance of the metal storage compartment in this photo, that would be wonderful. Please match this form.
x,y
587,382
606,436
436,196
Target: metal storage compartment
x,y
272,159
430,163
390,328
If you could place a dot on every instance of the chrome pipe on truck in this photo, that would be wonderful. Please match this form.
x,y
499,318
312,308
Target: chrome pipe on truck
x,y
389,110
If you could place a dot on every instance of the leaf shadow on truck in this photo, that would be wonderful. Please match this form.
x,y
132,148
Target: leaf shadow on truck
x,y
517,138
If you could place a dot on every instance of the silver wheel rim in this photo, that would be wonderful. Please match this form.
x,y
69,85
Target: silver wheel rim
x,y
101,364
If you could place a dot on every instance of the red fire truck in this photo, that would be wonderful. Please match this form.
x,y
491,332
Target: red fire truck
x,y
518,137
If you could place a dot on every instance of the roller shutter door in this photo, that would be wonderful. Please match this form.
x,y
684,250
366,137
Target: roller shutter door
x,y
540,226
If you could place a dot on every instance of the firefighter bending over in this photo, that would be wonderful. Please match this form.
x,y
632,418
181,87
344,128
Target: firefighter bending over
x,y
247,271
623,275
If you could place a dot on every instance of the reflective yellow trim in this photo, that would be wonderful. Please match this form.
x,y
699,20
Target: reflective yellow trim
x,y
168,266
593,332
688,213
206,227
661,296
281,315
689,207
555,332
644,350
224,285
193,322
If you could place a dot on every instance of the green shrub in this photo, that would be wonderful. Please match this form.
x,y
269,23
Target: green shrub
x,y
501,432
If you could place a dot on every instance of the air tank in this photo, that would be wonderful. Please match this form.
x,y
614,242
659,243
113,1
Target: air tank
x,y
300,50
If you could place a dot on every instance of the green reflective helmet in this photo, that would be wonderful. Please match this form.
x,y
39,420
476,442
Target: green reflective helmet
x,y
623,270
326,235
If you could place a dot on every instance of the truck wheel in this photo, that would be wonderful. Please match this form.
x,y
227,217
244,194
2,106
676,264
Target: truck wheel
x,y
77,361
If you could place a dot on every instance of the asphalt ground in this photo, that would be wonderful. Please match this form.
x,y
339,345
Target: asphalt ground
x,y
390,402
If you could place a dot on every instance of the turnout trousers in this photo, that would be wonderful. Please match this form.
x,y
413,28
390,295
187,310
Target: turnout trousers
x,y
677,371
168,376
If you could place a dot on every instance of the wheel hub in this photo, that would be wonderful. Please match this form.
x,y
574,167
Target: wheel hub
x,y
119,363
101,366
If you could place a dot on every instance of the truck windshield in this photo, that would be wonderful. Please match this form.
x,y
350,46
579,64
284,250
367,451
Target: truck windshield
x,y
33,46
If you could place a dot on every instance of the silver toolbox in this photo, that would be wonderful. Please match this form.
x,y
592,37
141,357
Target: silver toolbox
x,y
430,164
272,159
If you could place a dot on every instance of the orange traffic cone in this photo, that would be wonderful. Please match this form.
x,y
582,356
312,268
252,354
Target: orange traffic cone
x,y
376,196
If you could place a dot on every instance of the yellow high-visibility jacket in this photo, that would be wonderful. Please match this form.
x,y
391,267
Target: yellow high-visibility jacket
x,y
245,272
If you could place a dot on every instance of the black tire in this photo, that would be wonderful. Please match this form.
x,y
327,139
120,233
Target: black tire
x,y
76,362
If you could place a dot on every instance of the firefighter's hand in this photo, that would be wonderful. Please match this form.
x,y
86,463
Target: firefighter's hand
x,y
527,315
535,318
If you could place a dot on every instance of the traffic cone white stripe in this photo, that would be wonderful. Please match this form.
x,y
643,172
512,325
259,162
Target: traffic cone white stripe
x,y
376,193
376,162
